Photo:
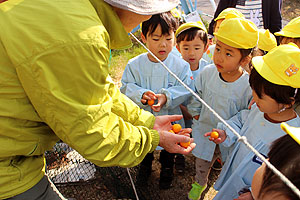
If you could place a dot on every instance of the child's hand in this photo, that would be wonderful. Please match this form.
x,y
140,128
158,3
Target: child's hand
x,y
217,136
162,99
148,96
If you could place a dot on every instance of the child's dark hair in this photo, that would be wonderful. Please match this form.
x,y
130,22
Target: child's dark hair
x,y
191,34
285,156
280,93
245,52
166,20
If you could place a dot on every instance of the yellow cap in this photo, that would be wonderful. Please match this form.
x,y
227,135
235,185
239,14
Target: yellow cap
x,y
238,33
175,12
232,11
189,25
266,40
294,132
292,29
280,66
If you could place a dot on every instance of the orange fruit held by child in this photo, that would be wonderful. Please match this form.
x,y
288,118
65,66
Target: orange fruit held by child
x,y
214,134
150,102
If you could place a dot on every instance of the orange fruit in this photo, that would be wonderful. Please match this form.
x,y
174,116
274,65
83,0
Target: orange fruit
x,y
185,144
176,128
214,134
150,102
171,131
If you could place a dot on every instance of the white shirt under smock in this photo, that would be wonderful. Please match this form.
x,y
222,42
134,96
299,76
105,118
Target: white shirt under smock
x,y
252,10
239,168
226,98
142,75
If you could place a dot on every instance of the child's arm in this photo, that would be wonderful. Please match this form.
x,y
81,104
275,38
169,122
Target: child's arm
x,y
130,86
177,94
236,122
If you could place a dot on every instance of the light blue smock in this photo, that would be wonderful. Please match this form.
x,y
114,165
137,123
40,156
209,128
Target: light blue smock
x,y
208,55
202,64
226,98
239,168
142,75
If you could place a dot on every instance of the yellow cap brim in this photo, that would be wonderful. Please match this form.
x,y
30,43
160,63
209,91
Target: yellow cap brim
x,y
294,132
265,71
287,34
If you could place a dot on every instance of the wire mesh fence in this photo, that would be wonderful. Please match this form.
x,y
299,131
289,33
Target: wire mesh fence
x,y
77,178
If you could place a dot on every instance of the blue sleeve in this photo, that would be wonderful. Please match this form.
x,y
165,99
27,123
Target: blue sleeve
x,y
236,122
130,86
177,93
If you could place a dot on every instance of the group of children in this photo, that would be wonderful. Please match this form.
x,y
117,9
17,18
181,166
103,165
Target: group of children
x,y
247,67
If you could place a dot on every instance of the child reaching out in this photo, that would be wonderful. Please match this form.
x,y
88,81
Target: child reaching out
x,y
224,86
274,92
145,79
285,156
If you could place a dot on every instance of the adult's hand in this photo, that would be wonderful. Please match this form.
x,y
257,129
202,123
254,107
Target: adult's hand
x,y
163,122
169,141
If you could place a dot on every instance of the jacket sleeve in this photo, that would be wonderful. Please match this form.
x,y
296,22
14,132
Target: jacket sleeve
x,y
71,90
236,122
130,86
177,93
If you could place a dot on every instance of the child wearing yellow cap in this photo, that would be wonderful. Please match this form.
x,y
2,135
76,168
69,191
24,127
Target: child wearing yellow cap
x,y
275,81
224,86
191,42
208,55
284,155
266,42
291,32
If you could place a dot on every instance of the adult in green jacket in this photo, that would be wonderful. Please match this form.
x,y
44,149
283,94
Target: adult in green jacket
x,y
54,84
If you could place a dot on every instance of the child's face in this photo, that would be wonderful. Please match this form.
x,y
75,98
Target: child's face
x,y
160,45
286,40
257,183
266,104
192,51
226,58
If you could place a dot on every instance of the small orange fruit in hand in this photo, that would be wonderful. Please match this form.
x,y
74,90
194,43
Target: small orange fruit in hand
x,y
214,134
176,128
150,102
185,144
171,131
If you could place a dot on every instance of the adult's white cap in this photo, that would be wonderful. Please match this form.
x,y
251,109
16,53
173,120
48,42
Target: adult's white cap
x,y
144,7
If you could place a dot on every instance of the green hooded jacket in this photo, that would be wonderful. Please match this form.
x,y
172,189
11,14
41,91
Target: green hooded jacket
x,y
54,84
